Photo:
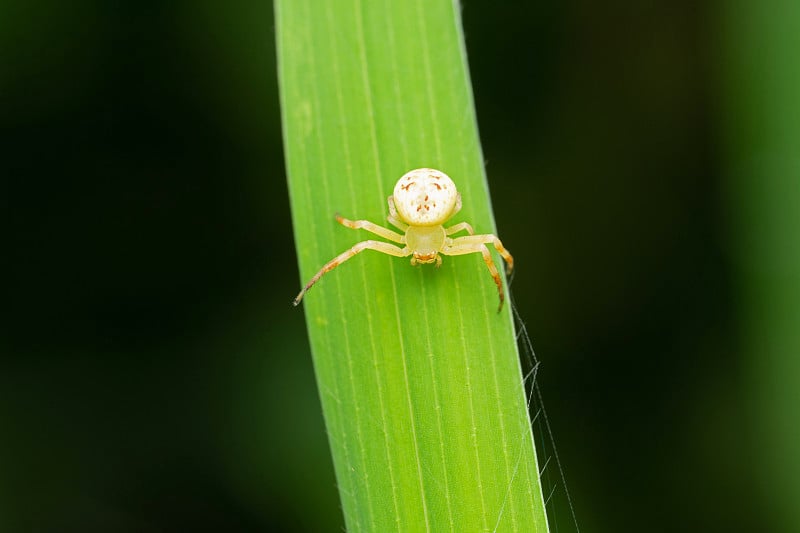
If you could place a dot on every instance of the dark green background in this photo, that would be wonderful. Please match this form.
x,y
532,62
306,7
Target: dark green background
x,y
154,375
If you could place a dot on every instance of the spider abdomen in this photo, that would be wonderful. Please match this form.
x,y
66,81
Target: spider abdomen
x,y
425,197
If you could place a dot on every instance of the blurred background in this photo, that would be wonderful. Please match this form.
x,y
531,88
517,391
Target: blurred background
x,y
643,163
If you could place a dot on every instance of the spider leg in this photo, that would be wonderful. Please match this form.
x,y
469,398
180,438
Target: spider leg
x,y
378,246
461,226
371,227
393,218
487,239
477,247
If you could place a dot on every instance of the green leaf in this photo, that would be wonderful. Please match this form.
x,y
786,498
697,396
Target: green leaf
x,y
418,373
761,111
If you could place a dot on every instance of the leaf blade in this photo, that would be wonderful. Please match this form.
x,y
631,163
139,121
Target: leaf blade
x,y
419,376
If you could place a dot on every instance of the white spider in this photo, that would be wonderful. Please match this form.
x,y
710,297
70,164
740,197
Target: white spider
x,y
423,200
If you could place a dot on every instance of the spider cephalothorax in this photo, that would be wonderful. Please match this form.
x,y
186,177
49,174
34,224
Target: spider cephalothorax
x,y
422,201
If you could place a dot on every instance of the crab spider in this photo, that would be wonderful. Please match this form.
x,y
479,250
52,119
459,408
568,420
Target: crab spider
x,y
423,200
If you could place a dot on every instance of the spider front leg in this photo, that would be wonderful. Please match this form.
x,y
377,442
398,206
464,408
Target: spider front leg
x,y
378,246
464,249
487,239
477,244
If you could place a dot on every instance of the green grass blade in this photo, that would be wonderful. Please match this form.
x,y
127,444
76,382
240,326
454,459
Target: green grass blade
x,y
418,374
762,113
